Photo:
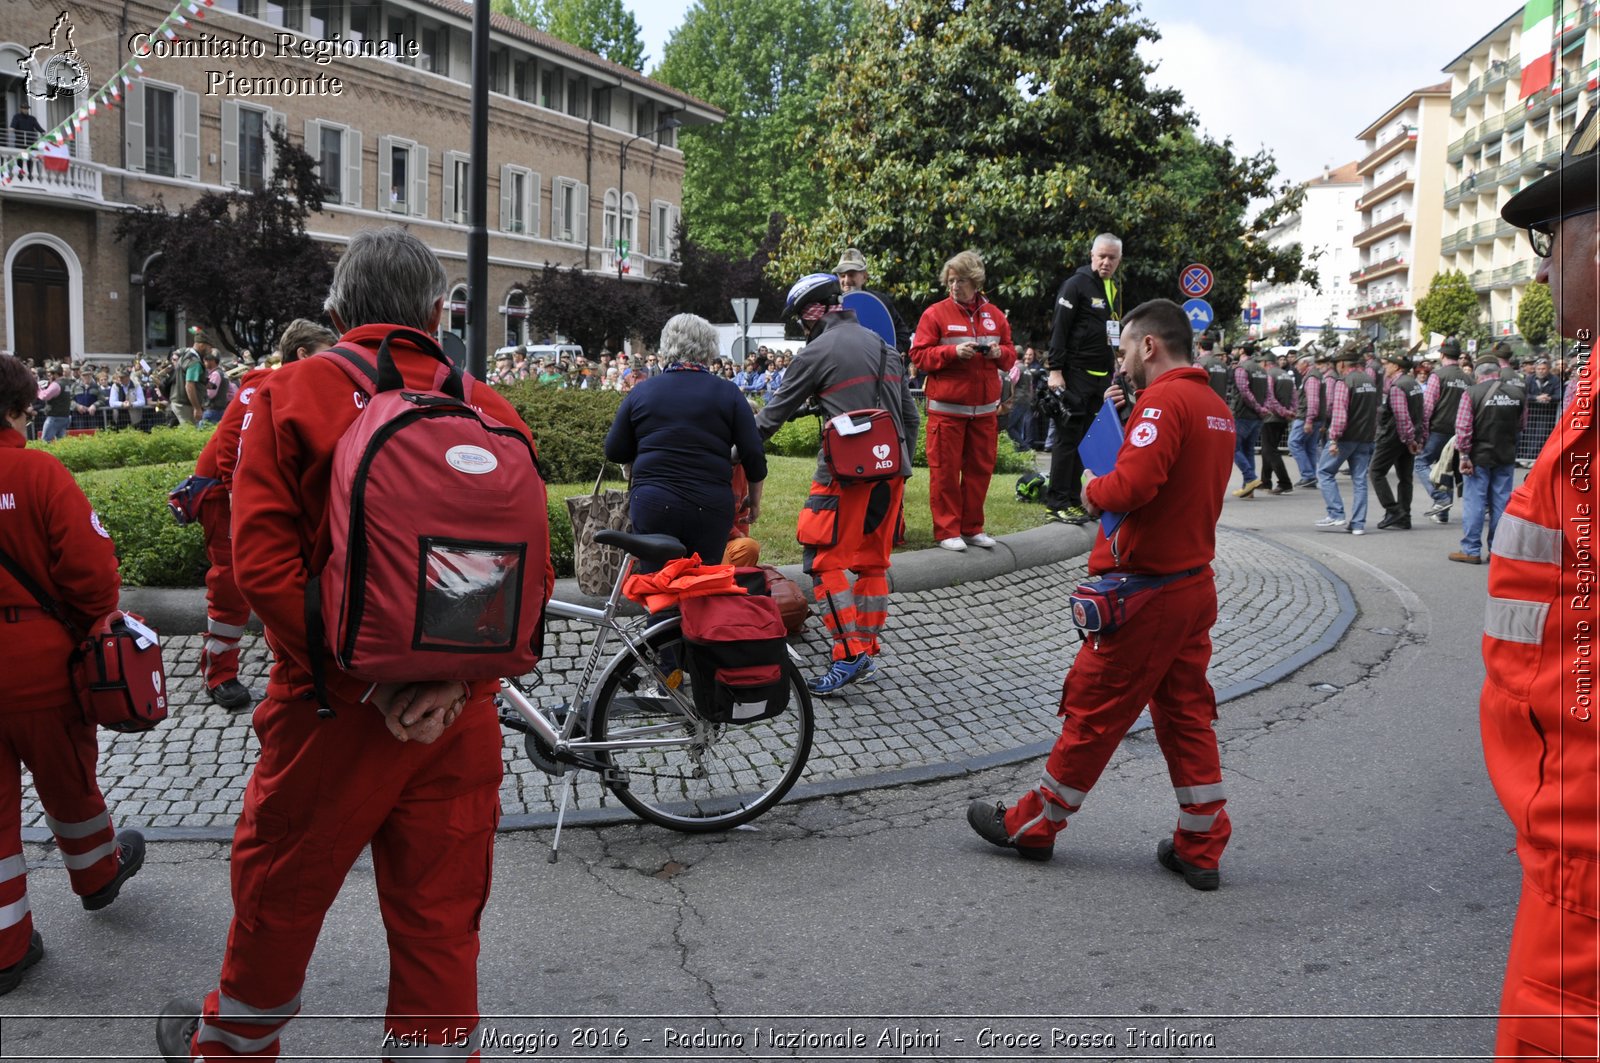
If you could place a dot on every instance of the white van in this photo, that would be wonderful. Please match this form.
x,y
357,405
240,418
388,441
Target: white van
x,y
560,353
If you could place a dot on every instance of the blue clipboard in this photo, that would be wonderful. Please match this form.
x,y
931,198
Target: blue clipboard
x,y
1099,449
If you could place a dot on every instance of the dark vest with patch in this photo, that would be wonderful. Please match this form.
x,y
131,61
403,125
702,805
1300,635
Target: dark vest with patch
x,y
1496,420
1361,414
1387,426
1257,378
1453,383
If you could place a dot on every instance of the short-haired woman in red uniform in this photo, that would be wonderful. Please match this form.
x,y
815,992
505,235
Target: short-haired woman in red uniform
x,y
49,531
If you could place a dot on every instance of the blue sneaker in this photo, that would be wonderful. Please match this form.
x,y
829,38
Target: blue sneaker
x,y
857,669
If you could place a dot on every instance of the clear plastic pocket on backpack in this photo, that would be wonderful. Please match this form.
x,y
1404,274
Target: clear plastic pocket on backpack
x,y
470,596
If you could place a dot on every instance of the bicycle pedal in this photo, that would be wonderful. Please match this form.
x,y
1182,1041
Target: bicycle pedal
x,y
614,777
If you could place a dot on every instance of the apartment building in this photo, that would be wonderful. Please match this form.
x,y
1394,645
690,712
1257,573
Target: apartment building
x,y
391,134
1322,227
1402,189
1500,142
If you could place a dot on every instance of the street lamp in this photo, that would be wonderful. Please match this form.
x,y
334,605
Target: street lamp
x,y
671,122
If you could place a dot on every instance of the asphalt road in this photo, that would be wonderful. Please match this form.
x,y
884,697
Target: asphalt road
x,y
1366,903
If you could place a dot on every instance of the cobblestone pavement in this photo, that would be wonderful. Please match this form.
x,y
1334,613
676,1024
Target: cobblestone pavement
x,y
969,675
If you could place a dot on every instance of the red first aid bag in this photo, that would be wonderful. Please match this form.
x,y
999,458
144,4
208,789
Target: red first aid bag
x,y
440,534
118,675
735,649
862,446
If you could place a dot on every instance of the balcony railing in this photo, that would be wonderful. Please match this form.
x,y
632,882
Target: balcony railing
x,y
1398,223
1393,304
1388,149
1500,71
1377,269
1456,241
1385,190
1463,99
80,180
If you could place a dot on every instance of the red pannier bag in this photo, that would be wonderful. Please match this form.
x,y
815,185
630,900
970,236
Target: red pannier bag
x,y
439,534
118,675
735,655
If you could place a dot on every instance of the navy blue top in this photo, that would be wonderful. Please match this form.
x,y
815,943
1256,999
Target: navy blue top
x,y
678,429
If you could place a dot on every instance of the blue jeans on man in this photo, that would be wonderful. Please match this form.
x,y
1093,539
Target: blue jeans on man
x,y
1486,487
1424,468
211,416
1359,455
1247,433
55,428
1304,448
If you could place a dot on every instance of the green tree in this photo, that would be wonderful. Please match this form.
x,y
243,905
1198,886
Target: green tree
x,y
240,261
605,27
1289,333
1330,337
1023,130
1536,314
767,63
1451,307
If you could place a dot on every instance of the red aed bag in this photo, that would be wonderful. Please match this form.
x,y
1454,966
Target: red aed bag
x,y
862,446
118,675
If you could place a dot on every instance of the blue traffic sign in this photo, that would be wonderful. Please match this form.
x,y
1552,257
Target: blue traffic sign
x,y
1200,315
1195,280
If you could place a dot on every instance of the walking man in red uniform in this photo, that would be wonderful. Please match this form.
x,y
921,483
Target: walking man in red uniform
x,y
1169,481
1541,724
412,770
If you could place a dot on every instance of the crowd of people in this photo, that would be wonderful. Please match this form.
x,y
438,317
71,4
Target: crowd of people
x,y
760,376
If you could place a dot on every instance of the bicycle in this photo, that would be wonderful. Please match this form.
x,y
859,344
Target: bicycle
x,y
640,731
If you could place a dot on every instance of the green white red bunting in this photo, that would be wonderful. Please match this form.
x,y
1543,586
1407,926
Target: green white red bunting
x,y
51,148
1538,46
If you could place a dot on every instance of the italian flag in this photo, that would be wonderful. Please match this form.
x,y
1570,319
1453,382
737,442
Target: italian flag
x,y
1538,46
55,158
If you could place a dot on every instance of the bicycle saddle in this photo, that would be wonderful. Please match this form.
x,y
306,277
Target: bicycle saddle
x,y
654,548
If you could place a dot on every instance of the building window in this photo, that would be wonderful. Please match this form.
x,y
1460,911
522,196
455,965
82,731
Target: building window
x,y
519,200
456,318
663,229
436,50
574,98
549,89
600,105
608,221
402,30
457,203
323,20
522,81
630,220
366,20
252,148
160,131
330,162
516,311
569,211
402,176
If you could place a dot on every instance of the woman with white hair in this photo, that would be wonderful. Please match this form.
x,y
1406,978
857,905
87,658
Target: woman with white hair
x,y
678,429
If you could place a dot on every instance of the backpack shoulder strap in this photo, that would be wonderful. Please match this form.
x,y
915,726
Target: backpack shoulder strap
x,y
355,365
29,584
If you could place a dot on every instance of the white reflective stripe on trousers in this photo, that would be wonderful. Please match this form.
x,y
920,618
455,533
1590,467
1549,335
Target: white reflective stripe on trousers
x,y
80,861
1191,821
231,1010
226,631
1512,621
78,830
12,914
245,1046
13,867
1199,795
1067,794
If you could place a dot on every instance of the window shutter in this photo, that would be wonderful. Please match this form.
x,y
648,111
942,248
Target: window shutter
x,y
506,205
447,204
674,219
189,140
419,184
230,142
133,125
269,151
385,172
582,233
533,208
352,167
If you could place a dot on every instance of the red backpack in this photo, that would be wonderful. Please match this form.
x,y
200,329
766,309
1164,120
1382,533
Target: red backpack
x,y
440,534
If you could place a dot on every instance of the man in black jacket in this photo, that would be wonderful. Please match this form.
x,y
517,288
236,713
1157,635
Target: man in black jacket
x,y
1084,334
852,271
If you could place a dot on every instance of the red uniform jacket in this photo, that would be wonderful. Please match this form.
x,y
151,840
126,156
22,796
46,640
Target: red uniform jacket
x,y
947,324
280,498
48,528
221,451
1171,474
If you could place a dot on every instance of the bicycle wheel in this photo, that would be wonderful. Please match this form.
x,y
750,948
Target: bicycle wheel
x,y
720,775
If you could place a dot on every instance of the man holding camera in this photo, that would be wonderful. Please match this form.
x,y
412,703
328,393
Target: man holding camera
x,y
1084,334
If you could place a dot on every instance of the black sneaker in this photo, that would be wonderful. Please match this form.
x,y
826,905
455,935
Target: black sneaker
x,y
130,858
11,977
231,695
1388,520
175,1030
1308,482
1200,878
989,821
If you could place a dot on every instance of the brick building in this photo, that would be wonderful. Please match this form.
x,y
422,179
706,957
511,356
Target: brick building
x,y
392,143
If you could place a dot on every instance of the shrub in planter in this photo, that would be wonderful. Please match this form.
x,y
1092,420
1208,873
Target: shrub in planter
x,y
127,448
132,504
568,426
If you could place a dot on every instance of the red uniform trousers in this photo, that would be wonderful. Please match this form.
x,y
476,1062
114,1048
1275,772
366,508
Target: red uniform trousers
x,y
1157,658
852,528
321,791
226,611
1552,993
961,453
60,750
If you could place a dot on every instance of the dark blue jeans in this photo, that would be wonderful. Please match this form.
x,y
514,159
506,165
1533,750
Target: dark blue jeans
x,y
659,510
1247,433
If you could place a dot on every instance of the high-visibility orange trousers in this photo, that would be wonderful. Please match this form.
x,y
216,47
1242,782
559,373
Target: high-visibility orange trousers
x,y
226,610
61,751
849,528
322,791
961,454
1158,658
1551,998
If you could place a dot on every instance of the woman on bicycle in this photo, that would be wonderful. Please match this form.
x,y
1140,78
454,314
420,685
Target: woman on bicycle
x,y
678,430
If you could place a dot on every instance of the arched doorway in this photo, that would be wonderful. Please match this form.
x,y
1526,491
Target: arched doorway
x,y
41,304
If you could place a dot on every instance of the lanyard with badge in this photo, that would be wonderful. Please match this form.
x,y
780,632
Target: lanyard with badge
x,y
1114,322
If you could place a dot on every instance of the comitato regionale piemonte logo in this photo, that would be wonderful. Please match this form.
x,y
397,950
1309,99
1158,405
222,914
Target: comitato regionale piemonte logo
x,y
53,67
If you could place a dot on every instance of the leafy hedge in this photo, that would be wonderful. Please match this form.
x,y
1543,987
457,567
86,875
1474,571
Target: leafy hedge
x,y
132,504
569,427
127,449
